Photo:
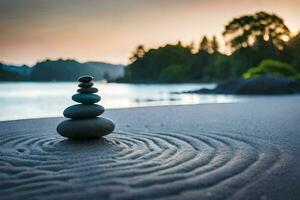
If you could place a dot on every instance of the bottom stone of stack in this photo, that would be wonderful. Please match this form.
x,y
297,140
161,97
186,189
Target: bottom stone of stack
x,y
85,128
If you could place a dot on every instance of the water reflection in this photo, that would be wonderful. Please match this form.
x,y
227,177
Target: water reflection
x,y
34,100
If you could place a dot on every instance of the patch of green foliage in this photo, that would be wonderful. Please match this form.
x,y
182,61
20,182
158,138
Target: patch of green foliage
x,y
272,67
174,73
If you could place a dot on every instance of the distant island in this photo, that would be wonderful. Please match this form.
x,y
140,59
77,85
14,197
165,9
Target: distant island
x,y
60,70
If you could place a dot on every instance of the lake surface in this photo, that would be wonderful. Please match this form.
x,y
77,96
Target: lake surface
x,y
34,100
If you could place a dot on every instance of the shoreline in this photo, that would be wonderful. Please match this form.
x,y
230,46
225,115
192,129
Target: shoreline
x,y
249,99
152,83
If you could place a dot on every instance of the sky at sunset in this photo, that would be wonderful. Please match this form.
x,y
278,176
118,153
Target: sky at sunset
x,y
109,30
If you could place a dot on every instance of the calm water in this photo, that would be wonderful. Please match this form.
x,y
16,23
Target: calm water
x,y
33,100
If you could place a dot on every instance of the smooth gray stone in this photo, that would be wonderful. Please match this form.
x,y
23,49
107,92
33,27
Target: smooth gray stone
x,y
85,85
85,79
85,128
86,98
87,90
81,111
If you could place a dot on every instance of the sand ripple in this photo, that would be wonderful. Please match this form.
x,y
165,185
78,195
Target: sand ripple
x,y
134,165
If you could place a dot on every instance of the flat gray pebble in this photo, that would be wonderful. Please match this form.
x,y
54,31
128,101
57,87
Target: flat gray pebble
x,y
81,111
87,90
85,85
86,98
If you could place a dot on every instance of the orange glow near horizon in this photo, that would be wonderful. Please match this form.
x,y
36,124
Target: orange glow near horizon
x,y
109,31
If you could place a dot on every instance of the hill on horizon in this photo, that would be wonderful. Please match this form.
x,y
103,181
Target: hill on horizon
x,y
61,70
10,72
67,70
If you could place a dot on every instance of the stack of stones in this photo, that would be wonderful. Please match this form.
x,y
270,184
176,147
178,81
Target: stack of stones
x,y
84,122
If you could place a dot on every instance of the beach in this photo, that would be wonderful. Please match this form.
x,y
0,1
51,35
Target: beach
x,y
244,150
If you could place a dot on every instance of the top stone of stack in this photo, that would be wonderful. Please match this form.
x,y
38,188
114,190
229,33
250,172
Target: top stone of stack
x,y
85,79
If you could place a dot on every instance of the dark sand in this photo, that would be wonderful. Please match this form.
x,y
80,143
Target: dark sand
x,y
218,151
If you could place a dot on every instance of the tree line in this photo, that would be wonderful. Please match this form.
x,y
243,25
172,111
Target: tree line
x,y
259,44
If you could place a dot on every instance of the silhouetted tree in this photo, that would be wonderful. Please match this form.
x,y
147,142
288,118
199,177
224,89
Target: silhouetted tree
x,y
197,64
245,30
294,43
191,46
138,53
293,51
204,45
154,61
214,45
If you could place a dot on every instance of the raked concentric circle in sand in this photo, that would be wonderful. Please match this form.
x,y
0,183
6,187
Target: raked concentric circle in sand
x,y
133,164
